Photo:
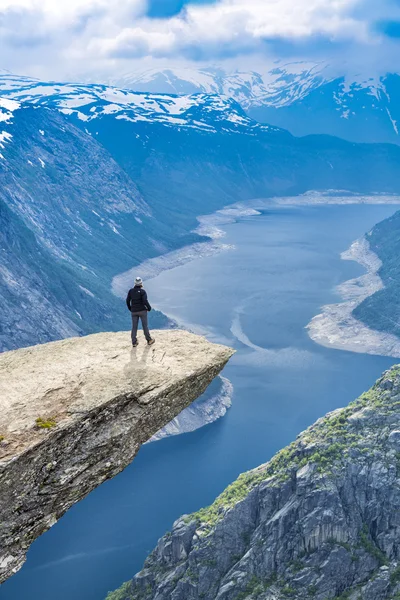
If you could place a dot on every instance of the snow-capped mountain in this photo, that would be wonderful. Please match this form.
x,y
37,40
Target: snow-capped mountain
x,y
358,108
305,98
207,111
249,88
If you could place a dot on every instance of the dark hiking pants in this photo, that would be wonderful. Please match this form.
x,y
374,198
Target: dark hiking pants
x,y
142,315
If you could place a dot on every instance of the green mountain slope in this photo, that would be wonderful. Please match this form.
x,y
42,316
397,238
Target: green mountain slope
x,y
381,311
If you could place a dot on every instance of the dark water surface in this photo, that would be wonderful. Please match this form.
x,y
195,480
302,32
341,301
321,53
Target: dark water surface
x,y
258,297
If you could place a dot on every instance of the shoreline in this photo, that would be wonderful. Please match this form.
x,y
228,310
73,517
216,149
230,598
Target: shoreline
x,y
200,413
206,409
335,327
210,226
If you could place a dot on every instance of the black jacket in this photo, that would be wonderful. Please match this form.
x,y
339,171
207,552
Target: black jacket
x,y
136,299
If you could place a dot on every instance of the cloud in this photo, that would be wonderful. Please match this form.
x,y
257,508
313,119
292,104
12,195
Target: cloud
x,y
238,26
59,40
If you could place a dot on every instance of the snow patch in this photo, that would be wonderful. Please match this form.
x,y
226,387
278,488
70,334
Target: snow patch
x,y
81,116
4,137
113,228
393,121
88,292
9,105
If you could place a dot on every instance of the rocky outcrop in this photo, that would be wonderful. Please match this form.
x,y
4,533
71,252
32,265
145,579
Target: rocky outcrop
x,y
75,413
320,521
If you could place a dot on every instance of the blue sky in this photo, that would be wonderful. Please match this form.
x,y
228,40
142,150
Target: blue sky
x,y
100,39
169,8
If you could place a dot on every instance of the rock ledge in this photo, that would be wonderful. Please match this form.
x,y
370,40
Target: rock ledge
x,y
75,413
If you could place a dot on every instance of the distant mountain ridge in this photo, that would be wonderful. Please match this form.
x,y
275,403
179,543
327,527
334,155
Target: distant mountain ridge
x,y
87,102
249,88
305,98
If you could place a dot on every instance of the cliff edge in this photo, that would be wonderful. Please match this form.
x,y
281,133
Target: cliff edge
x,y
74,413
320,521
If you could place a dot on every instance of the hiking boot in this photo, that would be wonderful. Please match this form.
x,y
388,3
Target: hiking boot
x,y
151,342
135,344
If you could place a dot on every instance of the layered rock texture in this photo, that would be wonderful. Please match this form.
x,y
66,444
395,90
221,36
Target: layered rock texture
x,y
75,413
320,521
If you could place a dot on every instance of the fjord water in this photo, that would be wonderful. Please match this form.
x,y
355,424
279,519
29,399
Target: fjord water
x,y
257,297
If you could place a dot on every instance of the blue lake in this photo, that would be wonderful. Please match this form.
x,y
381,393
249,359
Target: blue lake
x,y
258,297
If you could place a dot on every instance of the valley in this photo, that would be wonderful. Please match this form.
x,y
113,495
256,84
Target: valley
x,y
127,174
98,181
240,162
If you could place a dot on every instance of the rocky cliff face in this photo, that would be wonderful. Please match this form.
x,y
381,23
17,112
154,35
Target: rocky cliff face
x,y
320,521
71,218
75,413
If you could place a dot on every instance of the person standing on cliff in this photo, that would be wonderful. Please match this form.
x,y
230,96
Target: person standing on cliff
x,y
139,306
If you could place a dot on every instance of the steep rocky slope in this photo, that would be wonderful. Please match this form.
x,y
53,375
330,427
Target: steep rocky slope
x,y
320,521
71,218
381,311
75,413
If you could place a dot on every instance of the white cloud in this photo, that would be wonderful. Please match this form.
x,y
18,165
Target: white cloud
x,y
75,37
237,26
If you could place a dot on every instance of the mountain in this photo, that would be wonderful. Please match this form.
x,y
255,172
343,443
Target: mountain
x,y
210,112
381,311
305,98
319,521
360,109
96,179
141,128
248,88
70,217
